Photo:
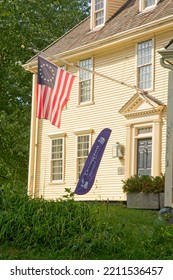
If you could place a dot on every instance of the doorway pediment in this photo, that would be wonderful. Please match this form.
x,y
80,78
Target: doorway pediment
x,y
141,104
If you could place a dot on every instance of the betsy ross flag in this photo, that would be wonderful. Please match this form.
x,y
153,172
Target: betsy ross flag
x,y
53,90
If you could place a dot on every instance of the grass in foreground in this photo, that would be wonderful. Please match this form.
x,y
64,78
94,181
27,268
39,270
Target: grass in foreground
x,y
38,229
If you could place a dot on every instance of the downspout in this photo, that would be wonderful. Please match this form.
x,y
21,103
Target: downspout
x,y
164,211
165,65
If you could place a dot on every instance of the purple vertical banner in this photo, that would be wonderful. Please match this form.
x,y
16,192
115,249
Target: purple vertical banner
x,y
91,166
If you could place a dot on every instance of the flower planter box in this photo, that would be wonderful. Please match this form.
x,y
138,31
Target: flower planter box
x,y
145,200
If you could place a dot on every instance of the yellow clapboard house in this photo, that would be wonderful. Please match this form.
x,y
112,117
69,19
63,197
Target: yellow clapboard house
x,y
125,90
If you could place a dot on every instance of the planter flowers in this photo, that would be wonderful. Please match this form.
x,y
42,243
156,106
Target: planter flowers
x,y
144,192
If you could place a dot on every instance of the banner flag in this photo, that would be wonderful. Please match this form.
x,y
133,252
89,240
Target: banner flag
x,y
90,168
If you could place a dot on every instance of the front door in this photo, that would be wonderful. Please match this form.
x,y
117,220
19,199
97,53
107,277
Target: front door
x,y
144,156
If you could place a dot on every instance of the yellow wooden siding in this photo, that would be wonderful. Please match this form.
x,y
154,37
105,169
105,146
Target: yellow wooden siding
x,y
109,97
113,6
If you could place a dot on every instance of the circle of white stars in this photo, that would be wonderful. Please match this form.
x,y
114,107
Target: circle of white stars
x,y
49,70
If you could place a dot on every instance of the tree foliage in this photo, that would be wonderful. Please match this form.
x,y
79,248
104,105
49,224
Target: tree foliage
x,y
25,24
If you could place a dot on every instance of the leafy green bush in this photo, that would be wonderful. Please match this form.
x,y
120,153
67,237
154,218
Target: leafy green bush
x,y
40,223
146,184
66,226
68,229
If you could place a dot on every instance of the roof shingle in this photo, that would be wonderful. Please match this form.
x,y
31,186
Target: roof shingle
x,y
123,20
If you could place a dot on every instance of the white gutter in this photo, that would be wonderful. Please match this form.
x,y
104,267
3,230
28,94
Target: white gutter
x,y
134,33
125,35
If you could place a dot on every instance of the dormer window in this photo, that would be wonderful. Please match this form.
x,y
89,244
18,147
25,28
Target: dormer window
x,y
99,12
146,5
102,10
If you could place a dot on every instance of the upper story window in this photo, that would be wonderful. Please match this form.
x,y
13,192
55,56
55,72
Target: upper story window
x,y
85,81
144,65
99,12
147,4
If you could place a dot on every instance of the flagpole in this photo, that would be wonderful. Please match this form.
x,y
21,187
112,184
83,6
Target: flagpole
x,y
139,90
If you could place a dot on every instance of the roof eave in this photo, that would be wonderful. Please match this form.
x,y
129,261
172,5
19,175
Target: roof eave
x,y
134,33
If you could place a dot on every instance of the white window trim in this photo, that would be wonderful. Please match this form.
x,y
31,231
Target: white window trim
x,y
53,136
60,134
153,63
81,132
93,17
142,7
131,145
90,102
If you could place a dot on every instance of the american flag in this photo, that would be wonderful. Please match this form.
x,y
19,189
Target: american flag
x,y
53,90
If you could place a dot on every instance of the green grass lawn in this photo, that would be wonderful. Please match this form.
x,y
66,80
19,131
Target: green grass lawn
x,y
110,231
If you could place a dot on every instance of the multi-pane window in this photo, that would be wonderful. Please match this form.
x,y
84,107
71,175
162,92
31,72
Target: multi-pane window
x,y
99,12
57,159
85,81
82,152
144,64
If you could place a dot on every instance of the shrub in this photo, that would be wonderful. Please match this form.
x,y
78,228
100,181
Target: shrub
x,y
132,184
38,223
146,184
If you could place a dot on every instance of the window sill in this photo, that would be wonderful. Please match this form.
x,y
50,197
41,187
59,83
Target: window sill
x,y
83,104
148,9
96,28
56,183
148,90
